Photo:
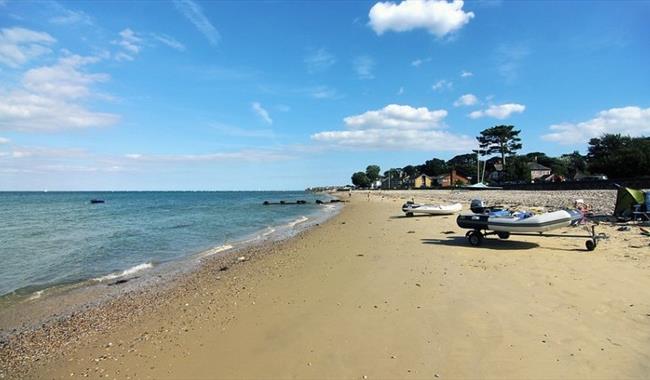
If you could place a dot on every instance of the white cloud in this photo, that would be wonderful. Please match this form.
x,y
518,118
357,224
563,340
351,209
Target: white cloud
x,y
66,16
130,42
631,120
439,17
4,140
396,127
63,80
261,112
49,98
319,60
363,66
193,12
400,91
19,45
398,117
501,111
442,84
466,100
390,139
251,155
466,74
420,61
169,41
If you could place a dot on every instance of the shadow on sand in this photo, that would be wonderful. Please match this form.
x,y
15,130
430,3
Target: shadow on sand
x,y
494,244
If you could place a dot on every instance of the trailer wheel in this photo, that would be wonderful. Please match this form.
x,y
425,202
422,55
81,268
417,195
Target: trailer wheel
x,y
475,238
503,234
409,214
591,245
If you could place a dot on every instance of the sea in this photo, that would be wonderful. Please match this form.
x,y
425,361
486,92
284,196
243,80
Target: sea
x,y
52,239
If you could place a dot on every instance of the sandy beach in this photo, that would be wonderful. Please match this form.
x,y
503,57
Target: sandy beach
x,y
372,294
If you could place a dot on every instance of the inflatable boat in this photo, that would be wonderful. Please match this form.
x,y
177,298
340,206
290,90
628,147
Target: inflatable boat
x,y
483,221
519,222
412,208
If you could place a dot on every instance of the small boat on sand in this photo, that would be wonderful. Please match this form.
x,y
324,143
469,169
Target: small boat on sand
x,y
519,222
411,208
484,221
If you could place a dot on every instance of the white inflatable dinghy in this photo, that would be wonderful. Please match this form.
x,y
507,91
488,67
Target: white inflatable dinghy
x,y
412,208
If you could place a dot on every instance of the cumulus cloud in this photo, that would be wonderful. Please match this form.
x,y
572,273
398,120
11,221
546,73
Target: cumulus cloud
x,y
194,13
631,120
261,112
50,98
396,127
319,60
442,84
169,41
466,74
501,111
438,17
19,45
363,66
466,100
397,116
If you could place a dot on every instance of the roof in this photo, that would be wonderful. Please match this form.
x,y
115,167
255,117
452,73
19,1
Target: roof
x,y
536,166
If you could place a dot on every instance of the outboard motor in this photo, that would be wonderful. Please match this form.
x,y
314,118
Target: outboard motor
x,y
477,206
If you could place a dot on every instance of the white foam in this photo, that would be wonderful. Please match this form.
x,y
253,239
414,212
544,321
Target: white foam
x,y
216,250
269,231
302,219
35,296
126,272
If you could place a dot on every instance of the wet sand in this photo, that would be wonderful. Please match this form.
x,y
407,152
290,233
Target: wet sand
x,y
372,294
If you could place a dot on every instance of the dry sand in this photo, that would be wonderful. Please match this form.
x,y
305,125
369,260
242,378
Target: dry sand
x,y
371,294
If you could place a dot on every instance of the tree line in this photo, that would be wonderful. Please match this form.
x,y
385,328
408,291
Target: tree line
x,y
612,155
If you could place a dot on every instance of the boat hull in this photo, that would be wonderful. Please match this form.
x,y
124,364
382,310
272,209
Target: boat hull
x,y
538,223
432,209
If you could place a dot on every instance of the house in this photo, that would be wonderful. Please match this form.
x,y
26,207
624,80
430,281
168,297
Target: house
x,y
421,181
376,185
451,179
391,183
537,171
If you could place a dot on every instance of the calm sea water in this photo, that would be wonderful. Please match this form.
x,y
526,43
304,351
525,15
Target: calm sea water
x,y
48,239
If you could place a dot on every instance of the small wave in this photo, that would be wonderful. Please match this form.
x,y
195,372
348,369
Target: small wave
x,y
36,295
216,250
302,219
269,231
125,272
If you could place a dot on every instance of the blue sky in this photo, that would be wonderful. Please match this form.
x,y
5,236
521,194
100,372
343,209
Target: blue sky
x,y
285,95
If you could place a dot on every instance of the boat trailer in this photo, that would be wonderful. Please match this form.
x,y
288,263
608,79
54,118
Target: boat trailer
x,y
475,236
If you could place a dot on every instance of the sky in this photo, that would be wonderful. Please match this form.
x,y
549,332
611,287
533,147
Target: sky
x,y
192,95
